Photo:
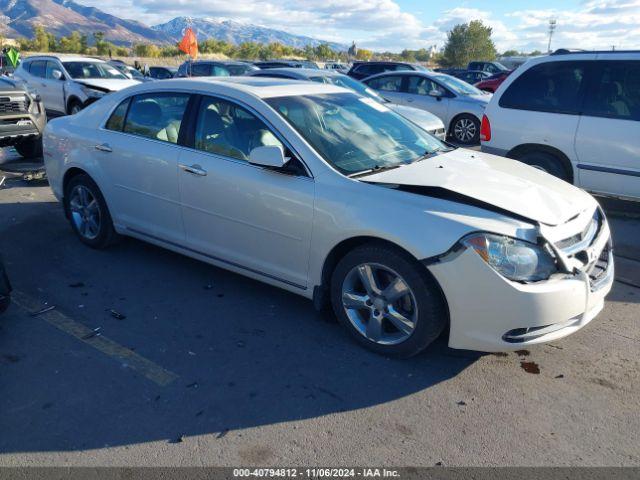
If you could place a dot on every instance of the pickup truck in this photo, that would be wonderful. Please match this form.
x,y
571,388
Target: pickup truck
x,y
22,118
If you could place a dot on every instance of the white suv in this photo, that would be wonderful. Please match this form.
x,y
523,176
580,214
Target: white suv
x,y
68,84
575,115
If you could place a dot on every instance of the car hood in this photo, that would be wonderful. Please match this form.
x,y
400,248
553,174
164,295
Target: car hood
x,y
107,84
7,84
490,182
422,118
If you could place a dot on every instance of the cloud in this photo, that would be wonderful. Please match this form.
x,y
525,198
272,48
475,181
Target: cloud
x,y
384,25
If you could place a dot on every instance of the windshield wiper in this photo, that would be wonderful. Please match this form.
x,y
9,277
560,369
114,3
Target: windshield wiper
x,y
376,169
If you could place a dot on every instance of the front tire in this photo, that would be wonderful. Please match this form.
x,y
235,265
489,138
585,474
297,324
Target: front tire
x,y
465,129
387,300
88,213
31,148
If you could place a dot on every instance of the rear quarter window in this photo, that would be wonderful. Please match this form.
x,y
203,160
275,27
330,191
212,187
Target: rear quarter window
x,y
555,87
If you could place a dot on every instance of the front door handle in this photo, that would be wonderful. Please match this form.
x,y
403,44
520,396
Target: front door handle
x,y
194,169
104,147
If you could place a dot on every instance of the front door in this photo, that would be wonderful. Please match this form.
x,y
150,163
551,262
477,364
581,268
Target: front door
x,y
248,216
419,92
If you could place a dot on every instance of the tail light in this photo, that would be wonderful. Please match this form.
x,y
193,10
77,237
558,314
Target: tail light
x,y
485,129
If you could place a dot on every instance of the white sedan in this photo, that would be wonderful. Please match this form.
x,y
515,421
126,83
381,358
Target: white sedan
x,y
333,196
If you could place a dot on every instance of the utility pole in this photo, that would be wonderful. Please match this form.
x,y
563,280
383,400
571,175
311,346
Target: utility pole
x,y
553,23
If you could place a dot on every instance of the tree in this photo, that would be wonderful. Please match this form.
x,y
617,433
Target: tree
x,y
467,42
511,53
364,54
324,52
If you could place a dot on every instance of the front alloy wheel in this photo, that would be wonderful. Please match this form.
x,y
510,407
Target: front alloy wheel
x,y
379,304
387,300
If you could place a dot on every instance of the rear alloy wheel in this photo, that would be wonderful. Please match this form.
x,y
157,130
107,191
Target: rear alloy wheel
x,y
466,130
547,163
387,301
88,213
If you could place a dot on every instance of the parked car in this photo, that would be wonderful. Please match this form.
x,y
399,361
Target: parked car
x,y
492,83
361,70
317,190
5,289
67,84
263,65
422,118
22,118
459,105
163,73
472,76
340,67
130,72
490,67
214,68
574,115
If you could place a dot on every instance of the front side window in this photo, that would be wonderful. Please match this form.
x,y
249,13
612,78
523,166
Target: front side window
x,y
201,70
156,115
354,133
227,129
389,83
548,87
86,70
422,86
616,91
51,66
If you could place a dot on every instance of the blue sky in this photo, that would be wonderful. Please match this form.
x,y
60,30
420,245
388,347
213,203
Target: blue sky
x,y
397,24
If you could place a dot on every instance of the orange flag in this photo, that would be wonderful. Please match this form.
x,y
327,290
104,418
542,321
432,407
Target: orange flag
x,y
189,43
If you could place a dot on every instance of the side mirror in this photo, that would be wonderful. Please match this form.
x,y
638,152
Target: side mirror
x,y
57,74
268,156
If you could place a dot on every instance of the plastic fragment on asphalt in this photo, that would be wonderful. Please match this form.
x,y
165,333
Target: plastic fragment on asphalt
x,y
117,315
94,333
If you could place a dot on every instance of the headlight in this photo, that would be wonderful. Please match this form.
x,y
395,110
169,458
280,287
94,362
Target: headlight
x,y
514,259
92,92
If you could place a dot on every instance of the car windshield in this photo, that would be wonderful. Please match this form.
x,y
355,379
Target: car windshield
x,y
458,86
355,134
133,72
92,70
500,66
350,83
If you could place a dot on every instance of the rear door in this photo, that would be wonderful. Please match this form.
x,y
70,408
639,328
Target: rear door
x,y
542,107
38,80
608,137
138,151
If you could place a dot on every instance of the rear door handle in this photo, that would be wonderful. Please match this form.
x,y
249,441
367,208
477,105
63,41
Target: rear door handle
x,y
194,169
104,147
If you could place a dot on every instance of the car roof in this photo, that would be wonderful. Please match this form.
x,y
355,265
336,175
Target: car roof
x,y
66,58
261,87
421,73
298,72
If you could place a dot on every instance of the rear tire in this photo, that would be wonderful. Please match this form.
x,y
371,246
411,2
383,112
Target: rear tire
x,y
465,129
396,327
74,107
546,162
31,148
88,213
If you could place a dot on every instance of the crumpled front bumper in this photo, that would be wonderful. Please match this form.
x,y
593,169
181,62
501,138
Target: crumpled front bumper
x,y
491,313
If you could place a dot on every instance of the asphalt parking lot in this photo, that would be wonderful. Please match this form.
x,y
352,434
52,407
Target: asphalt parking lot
x,y
194,365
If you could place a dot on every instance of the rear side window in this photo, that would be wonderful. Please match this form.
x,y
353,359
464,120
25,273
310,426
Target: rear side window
x,y
549,87
38,68
615,90
391,83
116,120
156,115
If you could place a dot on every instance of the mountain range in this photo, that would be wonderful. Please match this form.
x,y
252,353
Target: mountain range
x,y
61,17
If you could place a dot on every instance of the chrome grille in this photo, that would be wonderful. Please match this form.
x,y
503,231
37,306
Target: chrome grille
x,y
580,241
10,105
